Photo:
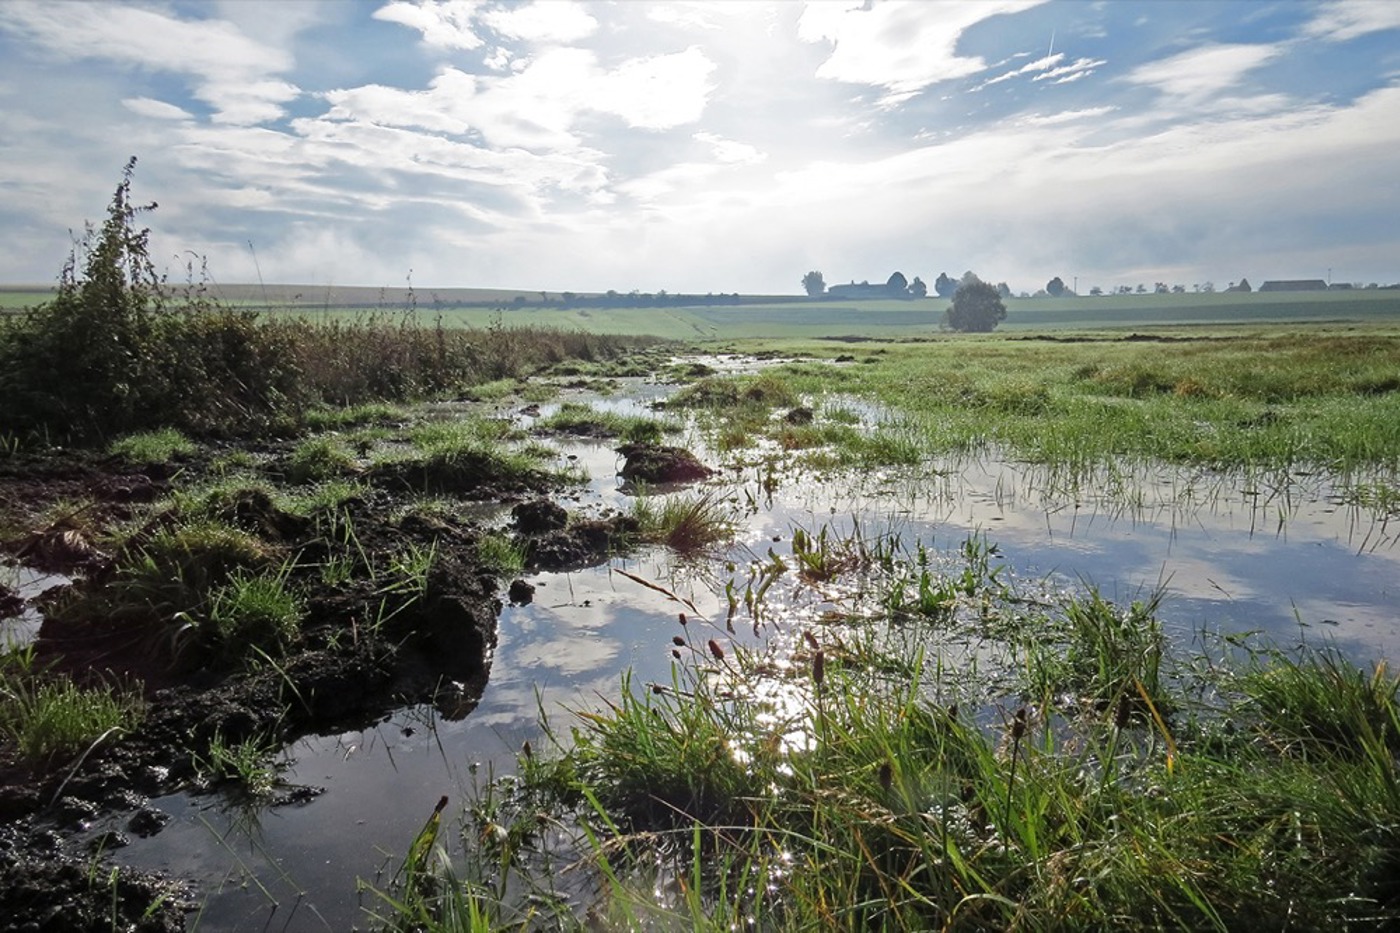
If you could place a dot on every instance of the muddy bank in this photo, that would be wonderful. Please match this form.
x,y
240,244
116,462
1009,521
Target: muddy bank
x,y
365,645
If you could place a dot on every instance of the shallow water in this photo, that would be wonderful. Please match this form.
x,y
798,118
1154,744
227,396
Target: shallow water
x,y
27,583
1232,556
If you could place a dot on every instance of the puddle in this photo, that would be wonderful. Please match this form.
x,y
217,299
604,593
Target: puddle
x,y
1231,556
27,584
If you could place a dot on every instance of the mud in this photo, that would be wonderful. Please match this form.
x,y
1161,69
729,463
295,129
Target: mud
x,y
350,666
658,463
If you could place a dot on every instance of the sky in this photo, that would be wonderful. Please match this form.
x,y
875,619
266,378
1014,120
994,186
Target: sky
x,y
710,146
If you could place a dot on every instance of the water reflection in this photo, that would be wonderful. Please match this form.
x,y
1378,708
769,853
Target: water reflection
x,y
1233,553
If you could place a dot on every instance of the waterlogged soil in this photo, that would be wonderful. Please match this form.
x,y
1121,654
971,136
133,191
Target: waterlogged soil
x,y
380,719
61,819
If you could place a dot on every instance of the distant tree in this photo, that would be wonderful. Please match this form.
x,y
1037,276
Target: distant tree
x,y
1141,289
917,288
1003,290
1207,286
1178,289
968,278
944,286
1159,288
1055,287
814,283
977,308
897,284
1096,291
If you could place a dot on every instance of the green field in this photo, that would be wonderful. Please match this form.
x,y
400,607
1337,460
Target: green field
x,y
911,318
758,317
18,297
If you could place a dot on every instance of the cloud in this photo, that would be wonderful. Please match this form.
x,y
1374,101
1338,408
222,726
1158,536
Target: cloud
x,y
537,107
543,21
1042,64
1205,71
902,47
231,72
445,24
1079,68
729,151
1348,19
658,92
157,109
1067,116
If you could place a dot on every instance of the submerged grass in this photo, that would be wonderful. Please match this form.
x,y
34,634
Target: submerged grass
x,y
848,778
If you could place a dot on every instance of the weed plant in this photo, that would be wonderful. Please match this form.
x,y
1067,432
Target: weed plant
x,y
252,612
688,524
47,719
249,765
577,418
501,554
319,458
152,447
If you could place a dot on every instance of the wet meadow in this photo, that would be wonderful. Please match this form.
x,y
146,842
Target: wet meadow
x,y
380,623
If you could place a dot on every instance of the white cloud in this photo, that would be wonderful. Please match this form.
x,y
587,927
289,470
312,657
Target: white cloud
x,y
902,47
445,24
536,108
1204,71
158,109
1042,64
655,93
231,72
1079,68
729,151
543,21
1348,19
1067,116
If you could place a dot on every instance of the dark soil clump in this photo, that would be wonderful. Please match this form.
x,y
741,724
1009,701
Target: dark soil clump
x,y
584,543
372,643
658,463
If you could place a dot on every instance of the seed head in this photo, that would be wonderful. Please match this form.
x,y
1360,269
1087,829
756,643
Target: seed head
x,y
1018,725
716,650
678,641
681,618
819,668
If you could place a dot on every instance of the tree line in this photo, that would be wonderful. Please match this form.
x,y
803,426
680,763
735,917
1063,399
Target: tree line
x,y
977,306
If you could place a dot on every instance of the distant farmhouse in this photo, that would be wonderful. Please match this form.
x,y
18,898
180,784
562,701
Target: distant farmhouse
x,y
1294,285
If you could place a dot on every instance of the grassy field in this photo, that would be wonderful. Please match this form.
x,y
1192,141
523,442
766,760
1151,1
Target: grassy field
x,y
906,318
759,318
1272,397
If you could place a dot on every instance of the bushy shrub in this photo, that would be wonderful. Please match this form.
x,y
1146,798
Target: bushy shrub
x,y
112,353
